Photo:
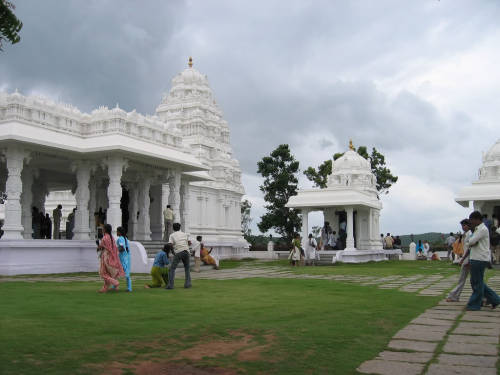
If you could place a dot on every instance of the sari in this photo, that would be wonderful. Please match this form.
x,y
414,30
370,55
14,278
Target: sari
x,y
110,267
207,258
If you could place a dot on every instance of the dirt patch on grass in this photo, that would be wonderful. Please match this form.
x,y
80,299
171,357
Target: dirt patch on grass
x,y
199,358
214,348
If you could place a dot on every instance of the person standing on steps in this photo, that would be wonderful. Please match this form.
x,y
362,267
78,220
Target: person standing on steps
x,y
168,220
479,244
180,242
56,216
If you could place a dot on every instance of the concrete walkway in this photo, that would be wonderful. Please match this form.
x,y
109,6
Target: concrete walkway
x,y
444,340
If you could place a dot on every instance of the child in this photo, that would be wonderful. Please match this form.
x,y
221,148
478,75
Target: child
x,y
124,253
197,257
295,252
159,271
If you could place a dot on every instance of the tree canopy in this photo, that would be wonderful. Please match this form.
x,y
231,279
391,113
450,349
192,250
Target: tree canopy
x,y
385,179
279,170
10,25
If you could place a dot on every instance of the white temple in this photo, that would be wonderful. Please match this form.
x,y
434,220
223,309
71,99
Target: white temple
x,y
351,198
484,194
129,164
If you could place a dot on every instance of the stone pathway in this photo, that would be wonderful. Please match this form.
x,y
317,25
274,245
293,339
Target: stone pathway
x,y
444,340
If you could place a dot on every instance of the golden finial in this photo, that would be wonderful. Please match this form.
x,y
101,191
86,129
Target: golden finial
x,y
190,62
351,146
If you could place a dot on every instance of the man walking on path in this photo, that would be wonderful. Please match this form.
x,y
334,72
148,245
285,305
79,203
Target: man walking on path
x,y
450,240
168,219
480,257
180,242
454,295
56,215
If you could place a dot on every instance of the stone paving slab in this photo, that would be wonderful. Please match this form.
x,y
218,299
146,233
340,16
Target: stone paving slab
x,y
481,318
432,322
441,314
475,331
467,348
382,367
448,307
481,325
419,335
473,339
467,360
437,369
424,328
418,346
405,356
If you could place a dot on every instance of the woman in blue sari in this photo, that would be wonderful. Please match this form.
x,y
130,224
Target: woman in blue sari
x,y
123,245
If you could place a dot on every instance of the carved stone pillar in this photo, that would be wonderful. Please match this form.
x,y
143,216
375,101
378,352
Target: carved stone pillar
x,y
82,226
350,230
185,206
115,166
155,213
12,227
132,211
92,207
174,183
305,227
27,178
143,224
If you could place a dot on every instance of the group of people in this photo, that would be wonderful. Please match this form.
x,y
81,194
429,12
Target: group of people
x,y
389,242
475,242
299,256
40,224
114,257
329,240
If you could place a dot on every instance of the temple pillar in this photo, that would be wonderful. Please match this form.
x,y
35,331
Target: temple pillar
x,y
12,227
174,182
155,213
92,207
115,165
82,195
350,229
27,178
185,206
143,224
305,227
133,205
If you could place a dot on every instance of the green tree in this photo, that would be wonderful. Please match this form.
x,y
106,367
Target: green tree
x,y
9,24
385,179
246,220
279,170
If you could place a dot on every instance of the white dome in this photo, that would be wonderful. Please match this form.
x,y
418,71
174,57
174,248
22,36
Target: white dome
x,y
490,170
351,162
350,171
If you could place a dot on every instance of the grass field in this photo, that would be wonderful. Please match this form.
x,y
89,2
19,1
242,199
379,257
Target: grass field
x,y
267,326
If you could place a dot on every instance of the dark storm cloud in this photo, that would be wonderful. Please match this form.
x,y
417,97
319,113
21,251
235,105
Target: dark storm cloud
x,y
280,70
94,53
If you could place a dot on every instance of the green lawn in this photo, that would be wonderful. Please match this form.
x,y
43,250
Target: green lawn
x,y
271,326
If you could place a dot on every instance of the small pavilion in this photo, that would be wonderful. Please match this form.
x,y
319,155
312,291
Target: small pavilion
x,y
484,194
349,201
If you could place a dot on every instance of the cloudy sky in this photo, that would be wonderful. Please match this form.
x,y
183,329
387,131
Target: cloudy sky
x,y
416,79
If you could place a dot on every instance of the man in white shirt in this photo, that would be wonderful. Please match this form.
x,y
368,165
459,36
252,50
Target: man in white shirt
x,y
479,245
180,242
